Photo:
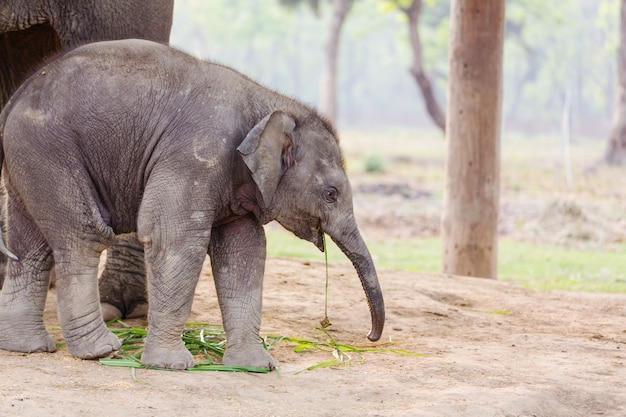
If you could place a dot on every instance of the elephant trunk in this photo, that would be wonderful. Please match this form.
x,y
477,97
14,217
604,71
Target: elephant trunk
x,y
349,240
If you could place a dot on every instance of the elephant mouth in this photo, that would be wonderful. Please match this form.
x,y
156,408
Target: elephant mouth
x,y
320,238
313,234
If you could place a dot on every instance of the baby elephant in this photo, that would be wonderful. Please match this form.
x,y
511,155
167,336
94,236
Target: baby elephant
x,y
132,136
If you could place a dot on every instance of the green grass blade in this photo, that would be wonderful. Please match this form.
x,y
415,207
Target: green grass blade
x,y
224,368
123,362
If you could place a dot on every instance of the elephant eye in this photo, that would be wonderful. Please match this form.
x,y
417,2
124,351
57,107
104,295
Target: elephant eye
x,y
329,194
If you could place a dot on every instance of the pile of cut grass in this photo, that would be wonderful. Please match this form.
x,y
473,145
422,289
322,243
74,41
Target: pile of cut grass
x,y
342,353
208,342
201,339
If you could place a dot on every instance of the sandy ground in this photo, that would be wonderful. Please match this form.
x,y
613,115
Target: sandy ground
x,y
550,354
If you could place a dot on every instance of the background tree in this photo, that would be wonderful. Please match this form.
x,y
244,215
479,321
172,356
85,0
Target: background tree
x,y
615,153
472,182
328,84
550,48
413,10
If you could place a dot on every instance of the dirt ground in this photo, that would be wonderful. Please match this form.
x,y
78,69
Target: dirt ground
x,y
489,349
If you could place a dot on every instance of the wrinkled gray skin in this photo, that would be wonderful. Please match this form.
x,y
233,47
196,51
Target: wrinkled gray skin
x,y
132,136
33,30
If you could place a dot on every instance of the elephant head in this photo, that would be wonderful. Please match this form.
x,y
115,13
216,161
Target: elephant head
x,y
296,163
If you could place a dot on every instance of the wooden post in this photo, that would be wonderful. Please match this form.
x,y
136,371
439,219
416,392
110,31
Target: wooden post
x,y
472,182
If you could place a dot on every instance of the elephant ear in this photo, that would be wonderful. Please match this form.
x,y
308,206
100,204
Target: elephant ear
x,y
266,151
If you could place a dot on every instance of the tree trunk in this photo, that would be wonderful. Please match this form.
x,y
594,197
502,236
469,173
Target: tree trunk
x,y
328,90
417,69
472,182
616,149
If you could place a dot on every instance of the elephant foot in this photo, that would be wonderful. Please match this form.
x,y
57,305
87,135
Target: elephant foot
x,y
110,312
18,335
121,302
138,310
29,344
97,344
253,356
161,357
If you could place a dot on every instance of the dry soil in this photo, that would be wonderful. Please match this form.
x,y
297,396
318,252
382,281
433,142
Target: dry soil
x,y
489,349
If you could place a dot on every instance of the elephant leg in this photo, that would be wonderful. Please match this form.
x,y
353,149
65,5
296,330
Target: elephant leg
x,y
172,278
79,313
23,296
174,225
123,281
77,240
173,273
238,260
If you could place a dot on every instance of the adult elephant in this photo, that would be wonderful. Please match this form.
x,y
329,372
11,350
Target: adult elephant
x,y
31,31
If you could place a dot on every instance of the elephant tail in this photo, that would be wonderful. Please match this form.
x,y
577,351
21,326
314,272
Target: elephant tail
x,y
6,251
3,118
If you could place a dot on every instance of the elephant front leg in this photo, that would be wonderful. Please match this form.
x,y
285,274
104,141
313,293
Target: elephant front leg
x,y
173,273
174,225
238,260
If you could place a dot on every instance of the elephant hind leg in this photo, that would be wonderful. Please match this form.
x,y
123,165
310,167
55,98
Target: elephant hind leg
x,y
23,296
76,254
79,313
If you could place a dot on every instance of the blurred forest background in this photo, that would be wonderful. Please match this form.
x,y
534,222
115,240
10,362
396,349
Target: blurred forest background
x,y
562,220
557,55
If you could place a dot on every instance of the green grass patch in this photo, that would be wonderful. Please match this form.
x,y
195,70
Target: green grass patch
x,y
415,255
532,265
549,267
